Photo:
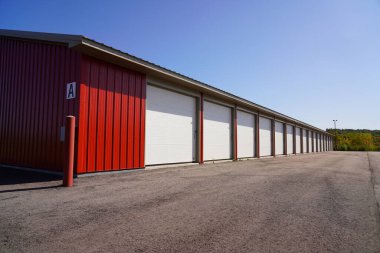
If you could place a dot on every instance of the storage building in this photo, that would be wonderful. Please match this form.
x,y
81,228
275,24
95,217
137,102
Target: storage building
x,y
130,113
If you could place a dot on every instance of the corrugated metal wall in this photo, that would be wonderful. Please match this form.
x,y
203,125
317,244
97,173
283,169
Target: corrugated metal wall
x,y
111,118
33,77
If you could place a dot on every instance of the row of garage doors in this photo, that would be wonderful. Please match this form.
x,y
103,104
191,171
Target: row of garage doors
x,y
172,125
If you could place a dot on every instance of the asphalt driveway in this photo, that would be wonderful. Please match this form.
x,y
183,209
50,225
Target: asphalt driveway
x,y
305,203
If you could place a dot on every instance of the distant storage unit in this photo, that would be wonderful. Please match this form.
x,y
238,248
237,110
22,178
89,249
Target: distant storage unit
x,y
304,141
289,139
298,140
279,138
130,113
309,141
265,135
246,137
217,131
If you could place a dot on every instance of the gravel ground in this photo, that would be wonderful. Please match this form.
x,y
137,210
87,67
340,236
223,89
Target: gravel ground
x,y
307,203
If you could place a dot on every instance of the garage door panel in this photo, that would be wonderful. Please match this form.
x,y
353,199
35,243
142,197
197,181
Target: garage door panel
x,y
279,138
245,134
289,139
304,141
265,137
310,142
170,130
217,131
298,140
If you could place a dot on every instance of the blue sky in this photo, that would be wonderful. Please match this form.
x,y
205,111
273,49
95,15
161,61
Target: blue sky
x,y
312,60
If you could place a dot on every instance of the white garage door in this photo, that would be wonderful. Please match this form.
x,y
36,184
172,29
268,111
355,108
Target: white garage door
x,y
324,142
328,143
329,140
265,137
314,141
245,134
279,138
310,142
170,127
289,139
216,131
317,141
304,141
298,140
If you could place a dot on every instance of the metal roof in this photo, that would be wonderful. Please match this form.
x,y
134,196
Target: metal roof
x,y
102,51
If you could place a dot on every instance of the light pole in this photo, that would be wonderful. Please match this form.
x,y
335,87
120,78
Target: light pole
x,y
335,120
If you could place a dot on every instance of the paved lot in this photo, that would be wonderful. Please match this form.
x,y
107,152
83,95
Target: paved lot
x,y
306,203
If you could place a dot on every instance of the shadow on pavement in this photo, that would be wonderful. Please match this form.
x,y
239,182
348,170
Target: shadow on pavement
x,y
10,176
30,189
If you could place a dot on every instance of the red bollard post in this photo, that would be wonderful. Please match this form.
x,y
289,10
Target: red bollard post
x,y
68,170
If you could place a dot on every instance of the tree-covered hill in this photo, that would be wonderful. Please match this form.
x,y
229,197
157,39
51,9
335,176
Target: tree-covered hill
x,y
357,139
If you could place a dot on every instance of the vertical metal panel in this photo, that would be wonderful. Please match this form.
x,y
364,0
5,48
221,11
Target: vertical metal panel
x,y
124,123
83,120
93,73
131,119
33,77
142,121
101,114
111,117
137,129
116,124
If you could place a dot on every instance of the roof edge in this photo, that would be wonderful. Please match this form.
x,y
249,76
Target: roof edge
x,y
69,39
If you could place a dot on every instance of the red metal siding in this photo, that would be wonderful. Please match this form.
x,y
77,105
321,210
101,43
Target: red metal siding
x,y
111,117
33,77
